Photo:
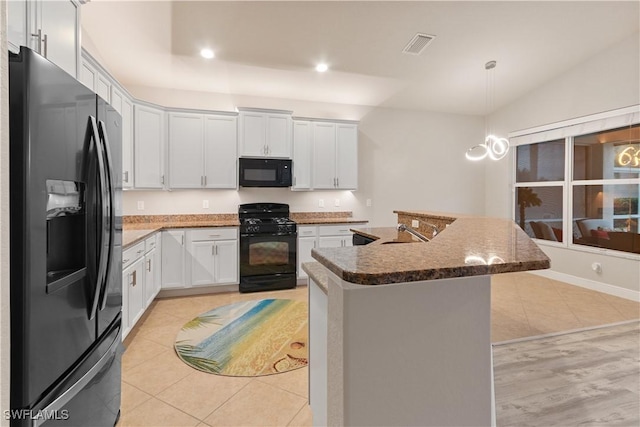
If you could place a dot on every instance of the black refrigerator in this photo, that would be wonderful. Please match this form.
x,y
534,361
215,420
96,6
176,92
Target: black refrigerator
x,y
66,248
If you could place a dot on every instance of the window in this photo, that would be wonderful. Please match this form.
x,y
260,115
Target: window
x,y
581,190
540,189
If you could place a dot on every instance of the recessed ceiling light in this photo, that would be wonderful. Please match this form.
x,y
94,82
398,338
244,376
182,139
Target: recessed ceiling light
x,y
207,53
321,68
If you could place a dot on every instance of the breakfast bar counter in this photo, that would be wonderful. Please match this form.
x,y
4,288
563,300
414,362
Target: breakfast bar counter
x,y
400,332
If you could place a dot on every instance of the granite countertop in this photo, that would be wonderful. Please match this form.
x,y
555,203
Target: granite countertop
x,y
138,227
318,274
469,246
385,235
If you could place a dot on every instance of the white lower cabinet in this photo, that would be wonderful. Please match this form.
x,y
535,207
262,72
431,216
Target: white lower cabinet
x,y
335,236
173,259
199,257
213,253
151,269
307,240
133,303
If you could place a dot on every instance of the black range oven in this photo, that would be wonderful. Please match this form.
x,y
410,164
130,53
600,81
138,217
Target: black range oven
x,y
268,247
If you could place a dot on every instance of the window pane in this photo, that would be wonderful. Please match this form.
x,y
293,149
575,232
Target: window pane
x,y
539,212
611,154
540,162
607,216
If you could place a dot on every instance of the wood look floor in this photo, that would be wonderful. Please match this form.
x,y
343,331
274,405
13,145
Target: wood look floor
x,y
160,390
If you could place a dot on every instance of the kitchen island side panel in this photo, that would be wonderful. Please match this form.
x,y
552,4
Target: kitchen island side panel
x,y
415,353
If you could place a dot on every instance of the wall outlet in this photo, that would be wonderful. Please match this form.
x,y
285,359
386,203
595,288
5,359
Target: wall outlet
x,y
205,204
336,202
140,205
321,203
415,223
368,203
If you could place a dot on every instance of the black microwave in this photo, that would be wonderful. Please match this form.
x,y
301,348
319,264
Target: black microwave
x,y
265,172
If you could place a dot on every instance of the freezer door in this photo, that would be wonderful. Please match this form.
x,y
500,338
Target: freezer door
x,y
51,266
90,395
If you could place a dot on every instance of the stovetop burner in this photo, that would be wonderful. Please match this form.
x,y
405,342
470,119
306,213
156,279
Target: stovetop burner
x,y
266,218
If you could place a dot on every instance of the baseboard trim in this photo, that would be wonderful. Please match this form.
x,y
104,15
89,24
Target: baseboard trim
x,y
590,284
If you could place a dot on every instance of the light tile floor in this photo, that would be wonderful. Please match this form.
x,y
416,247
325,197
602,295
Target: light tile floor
x,y
159,390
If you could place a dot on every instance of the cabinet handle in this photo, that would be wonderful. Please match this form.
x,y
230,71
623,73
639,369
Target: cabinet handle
x,y
149,266
214,235
213,249
126,260
126,176
134,278
39,36
216,249
162,179
182,240
205,180
44,41
337,182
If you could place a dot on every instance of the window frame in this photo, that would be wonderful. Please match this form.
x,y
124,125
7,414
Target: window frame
x,y
568,130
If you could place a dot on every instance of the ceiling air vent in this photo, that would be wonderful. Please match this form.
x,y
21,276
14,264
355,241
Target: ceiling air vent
x,y
418,43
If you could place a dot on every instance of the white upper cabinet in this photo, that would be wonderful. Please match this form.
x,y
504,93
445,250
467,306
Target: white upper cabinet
x,y
50,27
265,133
324,155
88,74
186,139
123,105
346,156
202,150
301,155
220,151
335,155
149,131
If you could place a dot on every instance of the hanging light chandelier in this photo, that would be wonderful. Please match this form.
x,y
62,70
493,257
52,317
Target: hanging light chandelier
x,y
493,147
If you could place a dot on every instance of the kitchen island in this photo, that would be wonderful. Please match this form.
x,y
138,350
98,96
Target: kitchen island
x,y
400,332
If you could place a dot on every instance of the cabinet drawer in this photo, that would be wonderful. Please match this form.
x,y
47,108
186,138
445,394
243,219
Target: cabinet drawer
x,y
132,254
334,230
213,233
307,230
151,243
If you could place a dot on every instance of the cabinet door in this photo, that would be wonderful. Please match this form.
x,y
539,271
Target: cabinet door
x,y
324,155
330,241
59,21
150,276
135,290
226,261
127,142
173,260
17,24
347,156
149,143
305,244
220,152
202,256
252,134
186,138
103,87
347,241
87,75
278,135
301,155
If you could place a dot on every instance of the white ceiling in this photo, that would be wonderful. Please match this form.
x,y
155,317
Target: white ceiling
x,y
270,49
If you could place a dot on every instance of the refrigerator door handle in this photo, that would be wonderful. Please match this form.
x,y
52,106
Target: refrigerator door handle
x,y
72,391
102,259
102,133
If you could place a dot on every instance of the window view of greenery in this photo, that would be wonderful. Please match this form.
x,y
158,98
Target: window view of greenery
x,y
539,212
604,189
540,162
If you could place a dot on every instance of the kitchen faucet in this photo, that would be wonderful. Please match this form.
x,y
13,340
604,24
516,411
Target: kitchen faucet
x,y
402,227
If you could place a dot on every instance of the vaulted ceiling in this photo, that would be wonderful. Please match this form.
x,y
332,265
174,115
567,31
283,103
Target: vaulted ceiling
x,y
270,49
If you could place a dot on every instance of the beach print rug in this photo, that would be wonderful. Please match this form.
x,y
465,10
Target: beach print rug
x,y
247,339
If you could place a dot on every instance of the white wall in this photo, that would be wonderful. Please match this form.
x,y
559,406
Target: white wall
x,y
606,81
407,160
4,219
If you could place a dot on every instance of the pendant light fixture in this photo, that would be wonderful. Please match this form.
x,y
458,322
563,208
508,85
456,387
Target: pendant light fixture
x,y
494,147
